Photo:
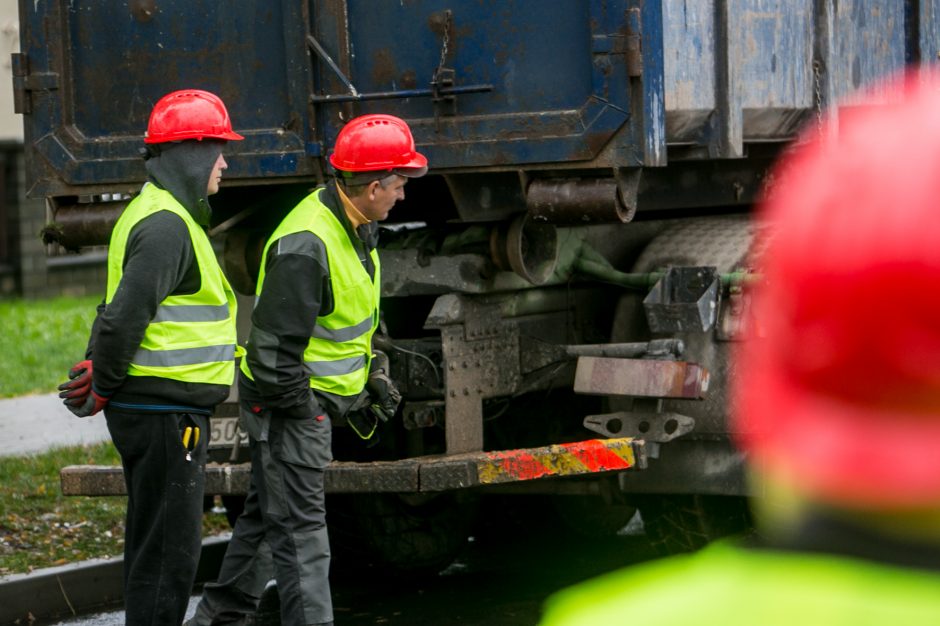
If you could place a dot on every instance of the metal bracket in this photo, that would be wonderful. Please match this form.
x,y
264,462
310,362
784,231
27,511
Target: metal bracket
x,y
643,378
736,319
685,299
656,427
442,95
481,355
403,93
628,188
422,414
443,92
314,45
634,42
24,82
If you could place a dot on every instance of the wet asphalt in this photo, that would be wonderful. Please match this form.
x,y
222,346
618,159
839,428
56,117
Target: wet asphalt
x,y
501,579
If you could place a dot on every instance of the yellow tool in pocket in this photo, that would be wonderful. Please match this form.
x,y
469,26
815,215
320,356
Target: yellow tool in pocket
x,y
190,433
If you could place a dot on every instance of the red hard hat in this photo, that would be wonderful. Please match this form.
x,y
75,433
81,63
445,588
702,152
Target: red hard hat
x,y
840,397
377,142
189,114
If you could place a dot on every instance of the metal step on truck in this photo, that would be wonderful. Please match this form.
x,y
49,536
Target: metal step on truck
x,y
560,292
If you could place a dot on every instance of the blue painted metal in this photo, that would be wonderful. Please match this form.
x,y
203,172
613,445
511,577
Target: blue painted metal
x,y
926,44
586,84
521,47
112,64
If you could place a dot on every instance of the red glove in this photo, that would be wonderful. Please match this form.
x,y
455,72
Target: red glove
x,y
79,383
92,404
78,395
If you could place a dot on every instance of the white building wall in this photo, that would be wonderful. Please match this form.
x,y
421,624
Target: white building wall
x,y
11,124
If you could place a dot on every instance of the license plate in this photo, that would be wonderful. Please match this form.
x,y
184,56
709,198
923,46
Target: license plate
x,y
224,431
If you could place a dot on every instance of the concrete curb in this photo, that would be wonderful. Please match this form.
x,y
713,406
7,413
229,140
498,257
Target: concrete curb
x,y
82,588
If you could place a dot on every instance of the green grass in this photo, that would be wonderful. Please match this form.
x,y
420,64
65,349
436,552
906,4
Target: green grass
x,y
40,527
40,340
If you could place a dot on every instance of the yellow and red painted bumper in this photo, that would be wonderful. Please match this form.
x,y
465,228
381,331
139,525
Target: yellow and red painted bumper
x,y
419,474
566,459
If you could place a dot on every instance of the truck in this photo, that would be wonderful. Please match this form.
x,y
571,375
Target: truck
x,y
561,291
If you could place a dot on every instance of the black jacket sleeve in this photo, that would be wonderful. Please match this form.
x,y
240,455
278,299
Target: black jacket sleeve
x,y
159,254
295,291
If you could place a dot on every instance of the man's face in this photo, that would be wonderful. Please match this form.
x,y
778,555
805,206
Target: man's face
x,y
215,178
380,200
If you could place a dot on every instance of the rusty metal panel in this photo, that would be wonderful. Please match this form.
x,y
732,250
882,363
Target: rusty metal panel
x,y
90,73
481,353
641,377
757,70
524,117
635,75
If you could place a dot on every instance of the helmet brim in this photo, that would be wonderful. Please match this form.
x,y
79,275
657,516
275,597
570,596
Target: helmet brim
x,y
411,172
230,136
165,138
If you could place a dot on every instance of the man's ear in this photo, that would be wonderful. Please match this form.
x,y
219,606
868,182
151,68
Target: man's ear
x,y
372,187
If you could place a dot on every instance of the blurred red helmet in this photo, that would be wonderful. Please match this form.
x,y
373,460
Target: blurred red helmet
x,y
841,395
189,114
377,142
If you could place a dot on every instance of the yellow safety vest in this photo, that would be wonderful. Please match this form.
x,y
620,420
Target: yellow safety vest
x,y
191,338
338,354
723,584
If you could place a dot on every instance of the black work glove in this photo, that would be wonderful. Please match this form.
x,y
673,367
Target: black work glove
x,y
385,396
77,393
377,402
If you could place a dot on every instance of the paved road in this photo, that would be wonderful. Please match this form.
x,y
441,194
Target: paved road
x,y
32,424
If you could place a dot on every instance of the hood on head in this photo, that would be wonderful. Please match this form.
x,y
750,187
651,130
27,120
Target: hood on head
x,y
183,169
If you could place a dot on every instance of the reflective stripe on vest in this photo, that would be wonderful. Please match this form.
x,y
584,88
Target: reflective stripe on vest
x,y
184,356
192,313
336,368
344,334
339,351
191,337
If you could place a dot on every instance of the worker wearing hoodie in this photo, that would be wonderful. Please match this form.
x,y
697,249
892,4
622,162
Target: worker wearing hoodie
x,y
161,352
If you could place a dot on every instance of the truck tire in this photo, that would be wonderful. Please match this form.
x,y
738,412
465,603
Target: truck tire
x,y
397,533
684,523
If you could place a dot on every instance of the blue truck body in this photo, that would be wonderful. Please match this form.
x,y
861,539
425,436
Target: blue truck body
x,y
563,83
582,153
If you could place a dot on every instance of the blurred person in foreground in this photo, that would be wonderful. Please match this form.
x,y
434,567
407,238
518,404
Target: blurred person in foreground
x,y
838,401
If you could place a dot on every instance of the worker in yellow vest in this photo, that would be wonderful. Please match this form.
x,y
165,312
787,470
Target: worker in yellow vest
x,y
161,354
836,402
309,364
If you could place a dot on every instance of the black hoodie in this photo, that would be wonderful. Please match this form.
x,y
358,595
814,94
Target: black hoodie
x,y
159,261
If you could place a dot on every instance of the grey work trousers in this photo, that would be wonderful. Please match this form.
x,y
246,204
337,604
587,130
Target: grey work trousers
x,y
285,513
